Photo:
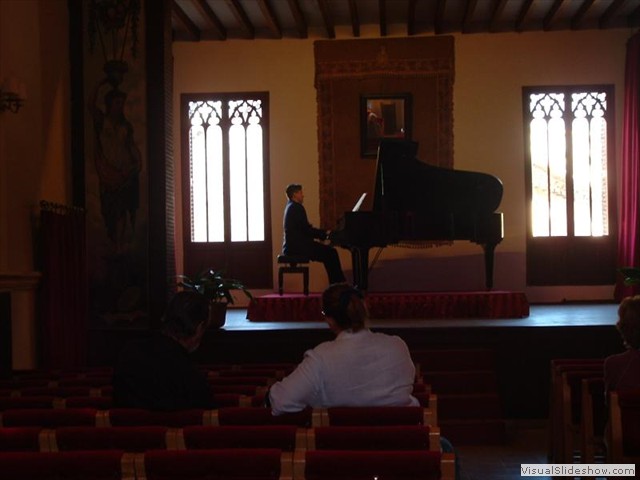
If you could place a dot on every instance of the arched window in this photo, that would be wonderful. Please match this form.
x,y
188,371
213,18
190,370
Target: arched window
x,y
225,138
569,137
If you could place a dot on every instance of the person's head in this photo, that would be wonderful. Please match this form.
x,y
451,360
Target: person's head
x,y
344,308
629,321
186,319
295,193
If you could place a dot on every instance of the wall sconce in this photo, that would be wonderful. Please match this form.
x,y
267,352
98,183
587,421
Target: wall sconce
x,y
13,94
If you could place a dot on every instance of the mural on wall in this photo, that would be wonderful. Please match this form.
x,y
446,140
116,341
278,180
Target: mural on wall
x,y
115,162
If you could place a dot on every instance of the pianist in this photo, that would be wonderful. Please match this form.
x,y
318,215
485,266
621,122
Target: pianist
x,y
300,236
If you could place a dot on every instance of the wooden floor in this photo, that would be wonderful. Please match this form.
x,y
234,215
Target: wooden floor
x,y
557,315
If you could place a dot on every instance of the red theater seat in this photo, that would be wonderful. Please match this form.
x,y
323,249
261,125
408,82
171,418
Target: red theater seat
x,y
227,464
129,439
351,416
18,439
356,465
86,465
389,437
259,416
118,417
50,417
40,401
282,437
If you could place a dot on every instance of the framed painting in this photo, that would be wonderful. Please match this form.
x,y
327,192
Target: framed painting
x,y
383,116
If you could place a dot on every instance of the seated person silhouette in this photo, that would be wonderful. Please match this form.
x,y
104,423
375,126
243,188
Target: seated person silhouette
x,y
622,370
158,373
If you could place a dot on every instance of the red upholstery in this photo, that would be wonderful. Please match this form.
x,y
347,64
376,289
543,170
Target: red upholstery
x,y
282,437
87,465
375,416
139,417
227,464
42,401
248,390
56,391
361,465
19,384
241,380
261,416
129,439
97,381
15,439
49,417
248,372
230,399
391,437
101,403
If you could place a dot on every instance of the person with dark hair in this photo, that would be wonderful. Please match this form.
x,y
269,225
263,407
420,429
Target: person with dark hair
x,y
300,236
622,371
358,368
157,373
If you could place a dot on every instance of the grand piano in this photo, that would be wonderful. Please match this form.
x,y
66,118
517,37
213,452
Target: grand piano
x,y
417,202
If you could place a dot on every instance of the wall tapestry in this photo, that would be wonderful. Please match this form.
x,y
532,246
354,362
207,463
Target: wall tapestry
x,y
116,183
420,69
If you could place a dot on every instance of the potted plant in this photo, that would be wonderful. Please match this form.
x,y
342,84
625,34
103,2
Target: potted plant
x,y
631,275
217,289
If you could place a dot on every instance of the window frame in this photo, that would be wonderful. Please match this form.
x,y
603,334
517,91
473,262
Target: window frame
x,y
249,261
570,259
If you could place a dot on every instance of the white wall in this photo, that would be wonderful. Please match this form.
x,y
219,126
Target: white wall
x,y
491,70
34,148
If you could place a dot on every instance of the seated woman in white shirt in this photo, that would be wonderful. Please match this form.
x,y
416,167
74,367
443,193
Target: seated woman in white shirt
x,y
358,368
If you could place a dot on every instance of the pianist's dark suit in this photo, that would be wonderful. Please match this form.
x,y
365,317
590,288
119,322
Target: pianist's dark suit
x,y
299,239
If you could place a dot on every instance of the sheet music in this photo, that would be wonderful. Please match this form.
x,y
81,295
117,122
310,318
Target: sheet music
x,y
358,204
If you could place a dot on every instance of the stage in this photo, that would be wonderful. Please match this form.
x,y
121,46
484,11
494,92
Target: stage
x,y
392,305
523,346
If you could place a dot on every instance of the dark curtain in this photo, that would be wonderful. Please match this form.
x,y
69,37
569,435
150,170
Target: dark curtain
x,y
628,255
64,286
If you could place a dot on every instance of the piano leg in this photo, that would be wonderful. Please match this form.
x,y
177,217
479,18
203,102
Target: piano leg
x,y
489,249
360,265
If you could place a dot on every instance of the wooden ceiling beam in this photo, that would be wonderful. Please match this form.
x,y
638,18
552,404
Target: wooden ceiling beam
x,y
497,13
579,16
382,14
522,15
411,18
547,23
301,23
355,18
192,29
242,18
270,18
468,15
206,11
633,20
326,17
609,13
438,22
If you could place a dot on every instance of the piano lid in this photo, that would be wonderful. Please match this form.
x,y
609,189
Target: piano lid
x,y
406,184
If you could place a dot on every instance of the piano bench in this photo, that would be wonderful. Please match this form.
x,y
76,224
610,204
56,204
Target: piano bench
x,y
293,264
